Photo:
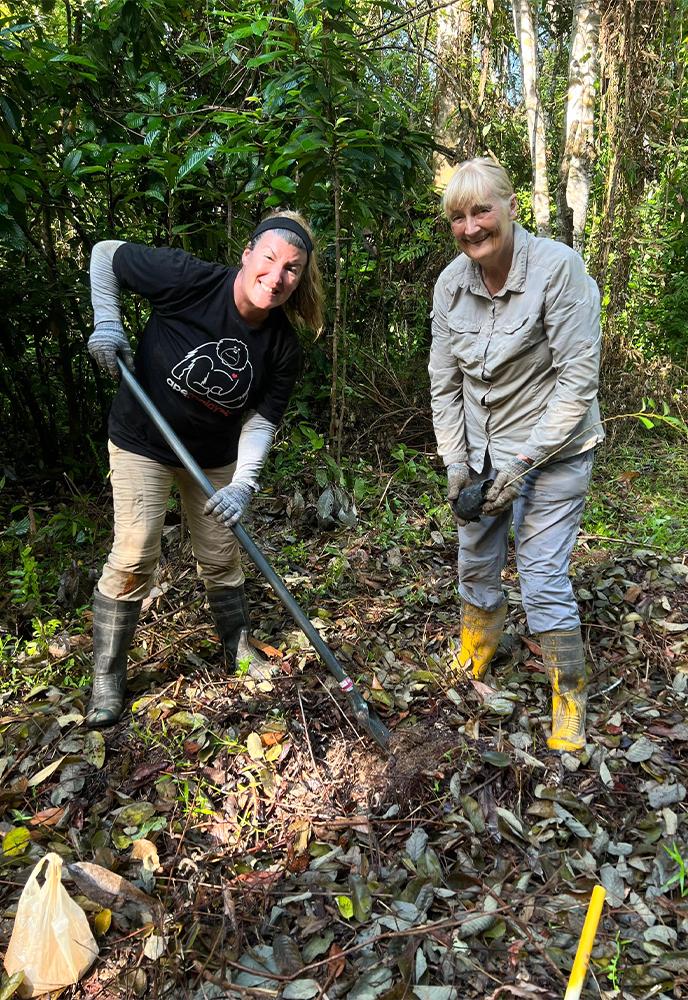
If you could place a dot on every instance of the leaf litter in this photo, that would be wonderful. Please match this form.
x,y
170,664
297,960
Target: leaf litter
x,y
239,837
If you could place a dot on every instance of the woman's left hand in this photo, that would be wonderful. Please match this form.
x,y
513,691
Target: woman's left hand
x,y
230,503
506,487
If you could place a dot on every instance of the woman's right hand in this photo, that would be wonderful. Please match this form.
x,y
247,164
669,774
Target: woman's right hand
x,y
458,476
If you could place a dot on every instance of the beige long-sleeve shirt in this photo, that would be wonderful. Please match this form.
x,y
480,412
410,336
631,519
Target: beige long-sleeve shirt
x,y
516,373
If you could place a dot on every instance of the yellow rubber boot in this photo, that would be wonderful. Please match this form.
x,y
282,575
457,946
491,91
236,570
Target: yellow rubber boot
x,y
564,660
480,634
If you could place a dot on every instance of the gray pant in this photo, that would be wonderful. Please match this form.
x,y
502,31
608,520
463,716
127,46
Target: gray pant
x,y
140,490
546,517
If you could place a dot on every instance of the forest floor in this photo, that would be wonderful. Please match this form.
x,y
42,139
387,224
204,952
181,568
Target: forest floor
x,y
241,838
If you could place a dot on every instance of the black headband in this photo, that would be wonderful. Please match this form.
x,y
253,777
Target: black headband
x,y
282,222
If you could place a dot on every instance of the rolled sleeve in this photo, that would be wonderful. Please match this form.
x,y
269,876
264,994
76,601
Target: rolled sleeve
x,y
446,387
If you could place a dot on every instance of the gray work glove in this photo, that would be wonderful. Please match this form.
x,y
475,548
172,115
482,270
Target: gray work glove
x,y
230,503
506,487
458,476
106,342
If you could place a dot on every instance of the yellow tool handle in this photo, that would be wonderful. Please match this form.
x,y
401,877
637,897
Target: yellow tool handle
x,y
582,959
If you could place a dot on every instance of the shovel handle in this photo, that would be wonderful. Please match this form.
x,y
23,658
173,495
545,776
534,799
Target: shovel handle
x,y
585,943
366,719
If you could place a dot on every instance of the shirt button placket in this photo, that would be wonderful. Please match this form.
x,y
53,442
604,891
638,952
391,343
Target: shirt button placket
x,y
485,399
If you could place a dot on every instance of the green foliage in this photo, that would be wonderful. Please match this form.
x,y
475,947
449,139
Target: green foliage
x,y
647,483
24,583
680,877
613,967
108,128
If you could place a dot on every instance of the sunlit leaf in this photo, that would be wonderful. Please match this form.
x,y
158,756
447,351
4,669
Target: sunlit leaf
x,y
346,906
102,921
15,842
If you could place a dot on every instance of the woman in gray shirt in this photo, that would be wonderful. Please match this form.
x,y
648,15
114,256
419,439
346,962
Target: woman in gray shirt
x,y
514,369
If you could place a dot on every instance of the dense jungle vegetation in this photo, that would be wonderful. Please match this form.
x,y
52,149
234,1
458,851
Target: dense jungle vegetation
x,y
181,122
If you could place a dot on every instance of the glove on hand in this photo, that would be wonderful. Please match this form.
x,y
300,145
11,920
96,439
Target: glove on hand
x,y
105,343
506,487
458,476
230,503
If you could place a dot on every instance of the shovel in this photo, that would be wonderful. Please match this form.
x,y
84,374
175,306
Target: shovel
x,y
366,719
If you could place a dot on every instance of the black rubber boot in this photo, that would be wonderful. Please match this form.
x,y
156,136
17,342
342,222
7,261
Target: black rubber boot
x,y
114,623
229,609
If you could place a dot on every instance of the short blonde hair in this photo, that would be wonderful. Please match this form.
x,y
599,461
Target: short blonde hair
x,y
475,181
305,305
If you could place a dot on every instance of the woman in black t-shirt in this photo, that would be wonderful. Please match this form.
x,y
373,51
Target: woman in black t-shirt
x,y
219,358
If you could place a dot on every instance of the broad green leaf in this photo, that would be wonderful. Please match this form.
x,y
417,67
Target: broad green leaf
x,y
67,57
9,113
135,815
473,813
317,945
71,161
346,907
283,184
194,162
187,720
266,57
361,897
15,842
9,988
496,758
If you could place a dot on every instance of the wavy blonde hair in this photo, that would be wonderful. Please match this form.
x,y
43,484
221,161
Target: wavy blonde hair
x,y
305,305
475,181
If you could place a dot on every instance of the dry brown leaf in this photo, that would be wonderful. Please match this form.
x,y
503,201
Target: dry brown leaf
x,y
336,961
113,892
47,817
532,645
264,647
146,851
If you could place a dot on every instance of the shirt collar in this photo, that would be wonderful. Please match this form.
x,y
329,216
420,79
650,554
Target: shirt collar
x,y
516,278
471,276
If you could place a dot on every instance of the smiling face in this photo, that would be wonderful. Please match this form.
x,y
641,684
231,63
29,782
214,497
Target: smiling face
x,y
484,232
270,272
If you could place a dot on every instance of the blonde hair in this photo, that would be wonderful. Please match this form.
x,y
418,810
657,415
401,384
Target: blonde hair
x,y
305,305
476,181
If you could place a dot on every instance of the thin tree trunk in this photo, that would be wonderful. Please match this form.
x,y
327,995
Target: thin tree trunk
x,y
577,159
524,24
485,56
58,330
454,82
335,430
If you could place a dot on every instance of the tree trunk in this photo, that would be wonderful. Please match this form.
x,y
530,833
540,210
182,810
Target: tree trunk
x,y
524,24
577,159
336,388
454,84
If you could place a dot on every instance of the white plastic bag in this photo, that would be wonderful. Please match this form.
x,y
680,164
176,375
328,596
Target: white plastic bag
x,y
51,941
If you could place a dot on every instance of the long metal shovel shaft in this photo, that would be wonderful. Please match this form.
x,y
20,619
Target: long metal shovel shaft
x,y
366,719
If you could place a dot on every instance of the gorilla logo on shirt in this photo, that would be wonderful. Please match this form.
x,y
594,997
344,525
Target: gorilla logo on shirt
x,y
220,371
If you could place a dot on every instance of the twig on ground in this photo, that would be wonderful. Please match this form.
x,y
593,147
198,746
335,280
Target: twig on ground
x,y
308,738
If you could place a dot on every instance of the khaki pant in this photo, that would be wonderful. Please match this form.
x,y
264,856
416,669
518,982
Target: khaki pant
x,y
140,490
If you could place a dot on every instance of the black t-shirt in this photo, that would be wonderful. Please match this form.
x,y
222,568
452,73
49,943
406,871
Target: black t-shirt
x,y
199,361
